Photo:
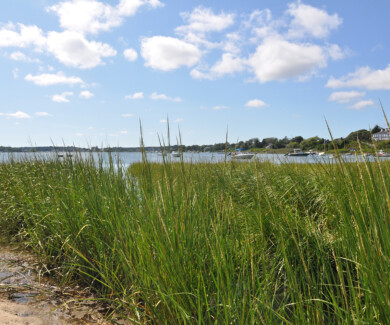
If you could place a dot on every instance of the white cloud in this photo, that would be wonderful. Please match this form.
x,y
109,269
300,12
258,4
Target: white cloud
x,y
278,59
22,36
86,16
138,95
345,96
168,53
164,121
15,73
18,114
229,64
130,54
91,16
178,120
72,49
62,98
48,79
219,107
363,78
86,94
19,56
308,20
123,132
156,96
362,104
127,115
336,53
202,20
79,134
42,114
255,103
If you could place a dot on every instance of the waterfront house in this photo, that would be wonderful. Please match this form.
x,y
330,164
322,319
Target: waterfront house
x,y
383,134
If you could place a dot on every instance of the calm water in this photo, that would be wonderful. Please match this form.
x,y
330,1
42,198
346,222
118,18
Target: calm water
x,y
128,158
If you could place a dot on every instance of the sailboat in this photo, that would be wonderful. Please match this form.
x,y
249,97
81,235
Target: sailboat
x,y
323,152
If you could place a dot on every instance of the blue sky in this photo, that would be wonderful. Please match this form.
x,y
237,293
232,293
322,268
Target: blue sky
x,y
86,72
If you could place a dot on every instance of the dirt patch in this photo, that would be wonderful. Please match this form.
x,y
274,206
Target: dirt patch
x,y
26,298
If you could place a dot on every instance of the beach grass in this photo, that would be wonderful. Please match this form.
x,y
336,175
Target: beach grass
x,y
202,243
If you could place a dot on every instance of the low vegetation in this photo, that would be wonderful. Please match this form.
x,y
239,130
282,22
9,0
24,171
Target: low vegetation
x,y
210,243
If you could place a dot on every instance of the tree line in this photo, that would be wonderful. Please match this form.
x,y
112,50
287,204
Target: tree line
x,y
298,142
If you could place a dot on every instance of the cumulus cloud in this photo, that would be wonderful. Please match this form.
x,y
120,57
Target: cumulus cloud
x,y
86,94
62,98
365,78
336,53
91,16
308,20
362,104
255,103
48,79
228,64
123,132
164,121
72,49
178,120
138,95
202,20
18,114
200,23
42,114
130,54
219,107
22,36
19,56
345,96
278,59
168,53
127,115
261,24
156,96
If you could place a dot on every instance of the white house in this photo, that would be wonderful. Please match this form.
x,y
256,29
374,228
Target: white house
x,y
383,134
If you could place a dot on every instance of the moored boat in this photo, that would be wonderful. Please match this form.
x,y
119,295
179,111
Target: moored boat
x,y
383,154
242,155
175,154
297,153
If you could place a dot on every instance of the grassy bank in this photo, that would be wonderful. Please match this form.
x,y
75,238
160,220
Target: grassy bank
x,y
211,243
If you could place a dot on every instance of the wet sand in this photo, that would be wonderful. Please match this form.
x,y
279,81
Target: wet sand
x,y
27,299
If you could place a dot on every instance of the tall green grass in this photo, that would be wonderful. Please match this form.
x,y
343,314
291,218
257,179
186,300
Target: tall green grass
x,y
237,243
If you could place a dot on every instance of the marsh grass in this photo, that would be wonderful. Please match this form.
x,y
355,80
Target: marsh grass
x,y
205,243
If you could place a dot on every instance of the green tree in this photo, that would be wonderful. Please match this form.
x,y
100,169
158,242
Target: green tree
x,y
311,143
376,129
362,135
297,139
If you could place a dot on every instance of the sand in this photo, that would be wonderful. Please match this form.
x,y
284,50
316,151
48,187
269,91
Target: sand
x,y
25,299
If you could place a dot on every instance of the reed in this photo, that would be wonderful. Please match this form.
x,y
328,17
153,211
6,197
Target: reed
x,y
182,243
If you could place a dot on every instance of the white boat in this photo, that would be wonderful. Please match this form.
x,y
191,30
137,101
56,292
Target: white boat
x,y
322,153
383,154
175,154
243,156
297,153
